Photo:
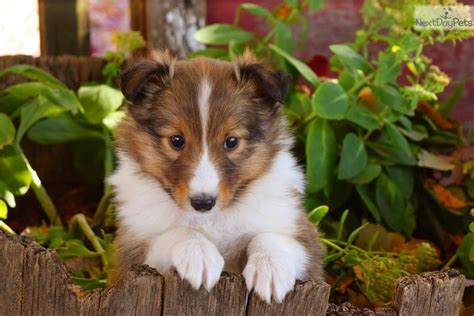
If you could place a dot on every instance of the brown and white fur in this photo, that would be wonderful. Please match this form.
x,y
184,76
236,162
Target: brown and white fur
x,y
257,227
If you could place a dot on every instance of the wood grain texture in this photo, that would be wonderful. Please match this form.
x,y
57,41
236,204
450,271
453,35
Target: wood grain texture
x,y
228,297
431,293
35,282
308,298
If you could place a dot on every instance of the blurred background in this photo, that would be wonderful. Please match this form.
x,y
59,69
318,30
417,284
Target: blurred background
x,y
84,27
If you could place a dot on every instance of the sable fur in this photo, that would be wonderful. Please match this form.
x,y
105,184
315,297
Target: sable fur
x,y
258,185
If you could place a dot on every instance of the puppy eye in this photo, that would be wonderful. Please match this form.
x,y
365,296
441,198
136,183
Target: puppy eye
x,y
177,141
231,143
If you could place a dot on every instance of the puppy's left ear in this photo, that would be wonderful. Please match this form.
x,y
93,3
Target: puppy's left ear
x,y
271,85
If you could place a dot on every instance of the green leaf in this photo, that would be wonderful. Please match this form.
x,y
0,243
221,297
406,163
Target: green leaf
x,y
7,130
89,284
321,154
388,96
3,210
353,157
471,227
465,253
33,73
15,96
362,117
404,177
99,101
340,227
400,145
389,68
221,34
33,111
111,121
346,80
350,58
355,233
370,172
316,215
61,129
14,172
368,199
315,5
390,201
330,101
6,194
75,248
292,3
413,132
257,10
284,37
302,68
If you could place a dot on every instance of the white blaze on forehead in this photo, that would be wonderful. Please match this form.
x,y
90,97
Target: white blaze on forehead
x,y
206,178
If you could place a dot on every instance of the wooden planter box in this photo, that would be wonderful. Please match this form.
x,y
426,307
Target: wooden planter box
x,y
33,281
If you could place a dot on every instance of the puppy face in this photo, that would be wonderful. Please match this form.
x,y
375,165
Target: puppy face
x,y
204,129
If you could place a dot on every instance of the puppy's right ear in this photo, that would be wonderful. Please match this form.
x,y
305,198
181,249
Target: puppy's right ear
x,y
146,76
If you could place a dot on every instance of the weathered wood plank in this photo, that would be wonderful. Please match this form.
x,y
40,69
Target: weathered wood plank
x,y
308,298
431,293
228,297
140,292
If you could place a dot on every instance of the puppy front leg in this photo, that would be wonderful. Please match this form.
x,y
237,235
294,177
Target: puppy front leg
x,y
274,263
196,259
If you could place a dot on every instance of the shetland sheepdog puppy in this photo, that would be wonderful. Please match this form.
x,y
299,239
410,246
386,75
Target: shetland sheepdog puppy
x,y
206,180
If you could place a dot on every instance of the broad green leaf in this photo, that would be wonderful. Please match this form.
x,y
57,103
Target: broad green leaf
x,y
353,157
389,68
346,80
321,154
221,34
350,58
61,129
390,153
330,101
3,210
465,253
33,73
99,101
15,96
316,215
410,42
390,201
400,144
33,111
14,172
388,96
362,117
369,200
257,10
284,37
302,68
370,172
111,121
7,130
404,177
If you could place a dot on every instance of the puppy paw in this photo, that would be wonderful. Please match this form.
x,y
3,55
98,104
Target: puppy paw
x,y
269,275
199,262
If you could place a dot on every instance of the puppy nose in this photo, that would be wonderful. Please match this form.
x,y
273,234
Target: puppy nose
x,y
203,203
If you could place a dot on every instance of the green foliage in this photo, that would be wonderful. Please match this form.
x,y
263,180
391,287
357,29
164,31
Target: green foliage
x,y
366,135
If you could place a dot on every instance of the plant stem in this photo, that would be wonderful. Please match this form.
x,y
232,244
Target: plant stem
x,y
333,245
81,220
450,261
44,199
102,208
7,229
108,168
